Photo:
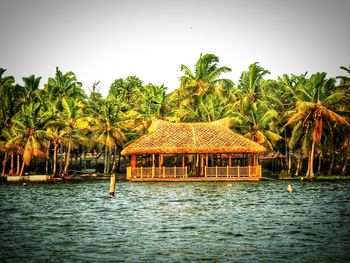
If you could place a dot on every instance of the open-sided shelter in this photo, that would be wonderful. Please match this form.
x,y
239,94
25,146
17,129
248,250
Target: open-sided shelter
x,y
193,151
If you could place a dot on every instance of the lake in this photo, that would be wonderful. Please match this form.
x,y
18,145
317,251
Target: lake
x,y
175,222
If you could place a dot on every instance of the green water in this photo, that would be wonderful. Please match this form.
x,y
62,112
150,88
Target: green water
x,y
175,222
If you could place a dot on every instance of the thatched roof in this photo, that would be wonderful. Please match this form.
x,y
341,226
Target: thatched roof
x,y
207,137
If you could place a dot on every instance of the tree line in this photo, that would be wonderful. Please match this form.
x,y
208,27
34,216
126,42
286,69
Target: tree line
x,y
304,117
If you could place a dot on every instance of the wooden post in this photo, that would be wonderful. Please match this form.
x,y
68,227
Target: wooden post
x,y
248,170
216,170
230,159
227,171
201,164
163,171
133,161
141,172
255,160
160,160
238,170
112,186
183,160
128,173
175,171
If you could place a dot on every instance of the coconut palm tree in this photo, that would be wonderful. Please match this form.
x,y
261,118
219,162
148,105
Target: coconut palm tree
x,y
205,79
29,91
206,76
128,89
315,109
251,83
64,86
258,123
107,131
74,124
30,127
8,97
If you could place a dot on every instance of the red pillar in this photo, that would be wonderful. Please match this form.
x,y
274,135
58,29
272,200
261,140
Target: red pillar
x,y
133,161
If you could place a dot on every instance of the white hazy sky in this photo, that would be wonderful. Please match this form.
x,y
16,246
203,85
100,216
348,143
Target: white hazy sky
x,y
105,40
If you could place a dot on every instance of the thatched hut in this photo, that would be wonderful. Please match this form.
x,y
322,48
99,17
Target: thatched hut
x,y
193,151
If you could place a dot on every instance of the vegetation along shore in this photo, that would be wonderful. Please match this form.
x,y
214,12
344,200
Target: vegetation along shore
x,y
55,128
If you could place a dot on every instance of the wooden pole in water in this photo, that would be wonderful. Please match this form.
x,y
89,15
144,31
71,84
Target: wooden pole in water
x,y
112,186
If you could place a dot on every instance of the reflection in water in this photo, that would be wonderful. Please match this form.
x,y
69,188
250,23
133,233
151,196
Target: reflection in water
x,y
215,222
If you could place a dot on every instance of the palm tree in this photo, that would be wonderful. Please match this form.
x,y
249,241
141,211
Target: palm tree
x,y
30,89
30,126
128,89
8,96
194,86
258,123
74,125
206,77
284,101
316,107
108,133
251,83
64,86
210,108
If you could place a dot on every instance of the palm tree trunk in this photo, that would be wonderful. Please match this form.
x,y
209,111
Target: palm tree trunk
x,y
12,162
47,160
298,166
106,161
22,168
68,156
61,160
54,159
4,163
330,170
312,155
18,163
114,159
343,171
308,164
289,161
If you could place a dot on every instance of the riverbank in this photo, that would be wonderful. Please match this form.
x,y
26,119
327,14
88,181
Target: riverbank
x,y
122,177
48,179
316,178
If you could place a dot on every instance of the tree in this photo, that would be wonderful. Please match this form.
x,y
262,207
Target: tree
x,y
251,83
194,86
258,123
74,123
107,131
206,77
7,98
64,86
315,109
30,127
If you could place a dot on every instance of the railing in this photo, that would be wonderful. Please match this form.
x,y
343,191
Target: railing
x,y
239,172
157,172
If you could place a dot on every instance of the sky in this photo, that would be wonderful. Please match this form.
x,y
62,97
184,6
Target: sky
x,y
103,40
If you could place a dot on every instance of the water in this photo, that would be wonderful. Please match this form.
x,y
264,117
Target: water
x,y
175,222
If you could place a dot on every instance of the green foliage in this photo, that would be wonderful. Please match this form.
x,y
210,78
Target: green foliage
x,y
297,114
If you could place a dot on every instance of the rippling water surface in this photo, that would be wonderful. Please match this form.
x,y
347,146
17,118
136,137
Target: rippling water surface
x,y
175,222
